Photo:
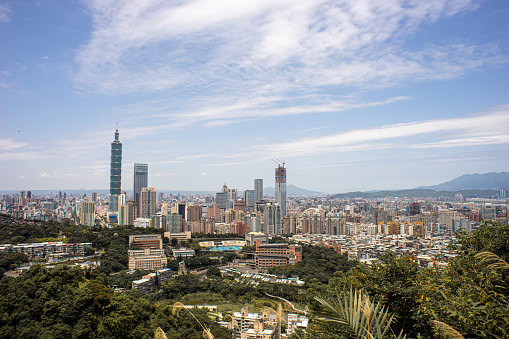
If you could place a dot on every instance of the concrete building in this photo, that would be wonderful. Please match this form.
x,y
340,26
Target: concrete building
x,y
128,213
147,259
280,191
258,190
148,202
146,241
270,255
87,213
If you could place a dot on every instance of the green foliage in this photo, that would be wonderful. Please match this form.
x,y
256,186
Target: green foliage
x,y
10,260
62,303
356,315
492,236
317,263
213,272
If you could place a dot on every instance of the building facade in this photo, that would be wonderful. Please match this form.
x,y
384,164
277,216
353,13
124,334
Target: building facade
x,y
140,181
258,190
280,191
115,172
148,202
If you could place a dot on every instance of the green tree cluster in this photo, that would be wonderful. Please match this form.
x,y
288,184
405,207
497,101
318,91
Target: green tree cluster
x,y
468,295
63,303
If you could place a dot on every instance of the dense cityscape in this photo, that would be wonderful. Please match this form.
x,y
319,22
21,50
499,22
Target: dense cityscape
x,y
258,234
218,169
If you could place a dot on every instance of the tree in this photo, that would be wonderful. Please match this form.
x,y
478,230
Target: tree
x,y
213,272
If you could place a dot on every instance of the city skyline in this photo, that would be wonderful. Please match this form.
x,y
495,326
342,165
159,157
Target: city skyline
x,y
352,96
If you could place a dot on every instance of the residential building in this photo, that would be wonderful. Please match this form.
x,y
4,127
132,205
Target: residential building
x,y
148,202
87,213
128,213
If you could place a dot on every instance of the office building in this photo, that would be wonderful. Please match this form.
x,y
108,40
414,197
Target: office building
x,y
174,223
249,199
148,202
258,190
146,241
270,255
147,259
221,199
140,181
115,172
181,209
281,188
159,221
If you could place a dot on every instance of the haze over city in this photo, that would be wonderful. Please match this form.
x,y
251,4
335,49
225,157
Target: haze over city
x,y
357,95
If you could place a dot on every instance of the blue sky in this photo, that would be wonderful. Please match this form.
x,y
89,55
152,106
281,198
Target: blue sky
x,y
352,95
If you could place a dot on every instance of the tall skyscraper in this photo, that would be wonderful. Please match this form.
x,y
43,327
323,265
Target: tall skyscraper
x,y
281,188
258,190
148,202
115,172
140,181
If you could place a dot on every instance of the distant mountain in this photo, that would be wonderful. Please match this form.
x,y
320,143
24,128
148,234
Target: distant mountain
x,y
292,190
418,193
492,180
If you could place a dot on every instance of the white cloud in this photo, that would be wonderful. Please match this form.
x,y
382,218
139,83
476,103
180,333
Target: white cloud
x,y
45,57
205,174
275,46
44,175
10,144
484,129
5,13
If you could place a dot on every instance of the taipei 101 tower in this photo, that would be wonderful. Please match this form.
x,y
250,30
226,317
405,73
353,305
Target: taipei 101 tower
x,y
115,172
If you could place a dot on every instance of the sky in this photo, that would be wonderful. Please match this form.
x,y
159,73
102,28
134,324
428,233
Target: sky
x,y
351,95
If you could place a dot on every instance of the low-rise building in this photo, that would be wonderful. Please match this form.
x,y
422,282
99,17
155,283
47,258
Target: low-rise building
x,y
270,255
147,259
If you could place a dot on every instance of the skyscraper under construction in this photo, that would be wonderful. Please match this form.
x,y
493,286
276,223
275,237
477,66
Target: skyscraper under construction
x,y
115,172
281,188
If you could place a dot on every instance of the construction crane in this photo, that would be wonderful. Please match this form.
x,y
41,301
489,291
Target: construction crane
x,y
279,162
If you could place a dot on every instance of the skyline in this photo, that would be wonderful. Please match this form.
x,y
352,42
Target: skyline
x,y
353,96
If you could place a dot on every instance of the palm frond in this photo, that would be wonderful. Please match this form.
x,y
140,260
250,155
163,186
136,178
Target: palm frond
x,y
492,260
446,330
358,315
160,334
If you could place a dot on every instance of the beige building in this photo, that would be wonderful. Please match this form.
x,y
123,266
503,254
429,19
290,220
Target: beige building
x,y
87,213
128,213
148,202
147,259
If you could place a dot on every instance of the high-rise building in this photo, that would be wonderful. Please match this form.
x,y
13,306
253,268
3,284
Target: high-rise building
x,y
258,190
94,196
115,172
148,202
221,200
249,199
87,213
140,181
128,213
281,188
